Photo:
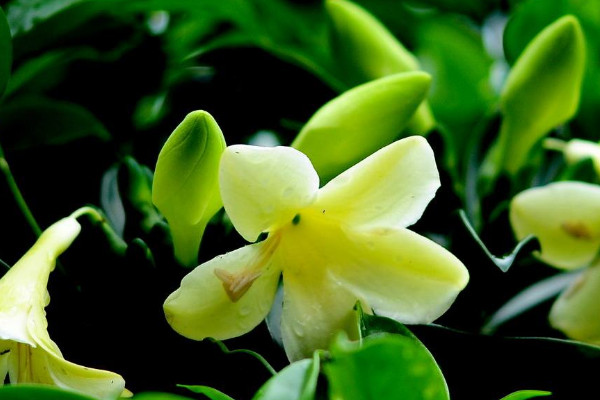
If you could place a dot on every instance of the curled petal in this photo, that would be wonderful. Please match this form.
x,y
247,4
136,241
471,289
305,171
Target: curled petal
x,y
565,217
44,364
576,311
390,188
226,296
263,187
23,294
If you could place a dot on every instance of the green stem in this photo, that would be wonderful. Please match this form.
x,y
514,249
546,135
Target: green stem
x,y
18,196
554,144
97,218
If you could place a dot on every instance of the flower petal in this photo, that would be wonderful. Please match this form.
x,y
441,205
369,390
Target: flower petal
x,y
45,365
400,273
576,311
390,188
263,187
327,269
565,217
314,313
201,307
23,293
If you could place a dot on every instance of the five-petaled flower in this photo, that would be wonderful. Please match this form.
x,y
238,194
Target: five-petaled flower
x,y
337,245
27,354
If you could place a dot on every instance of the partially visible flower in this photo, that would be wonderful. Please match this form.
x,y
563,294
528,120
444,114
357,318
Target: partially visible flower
x,y
565,217
27,354
576,150
335,245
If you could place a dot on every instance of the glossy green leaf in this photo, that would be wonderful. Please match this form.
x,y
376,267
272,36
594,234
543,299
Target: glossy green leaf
x,y
541,92
360,121
5,52
526,394
34,121
211,393
39,392
383,367
371,325
185,187
364,50
297,381
505,262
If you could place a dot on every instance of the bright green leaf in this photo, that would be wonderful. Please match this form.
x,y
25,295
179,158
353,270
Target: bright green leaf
x,y
5,52
185,187
383,367
297,381
208,391
526,394
35,121
360,121
541,92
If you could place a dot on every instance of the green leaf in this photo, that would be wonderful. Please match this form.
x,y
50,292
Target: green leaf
x,y
297,381
541,92
504,263
38,392
110,199
529,298
372,325
44,71
158,396
501,364
451,50
5,52
209,392
526,394
35,121
360,121
185,187
383,367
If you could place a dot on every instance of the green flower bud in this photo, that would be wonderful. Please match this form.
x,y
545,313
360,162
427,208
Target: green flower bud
x,y
366,50
185,187
361,121
541,92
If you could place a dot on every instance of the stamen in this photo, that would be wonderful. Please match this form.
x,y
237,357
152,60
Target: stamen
x,y
237,284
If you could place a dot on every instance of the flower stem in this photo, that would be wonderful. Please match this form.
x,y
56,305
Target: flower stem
x,y
97,218
18,196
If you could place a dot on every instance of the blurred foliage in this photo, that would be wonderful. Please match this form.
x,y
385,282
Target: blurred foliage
x,y
91,89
